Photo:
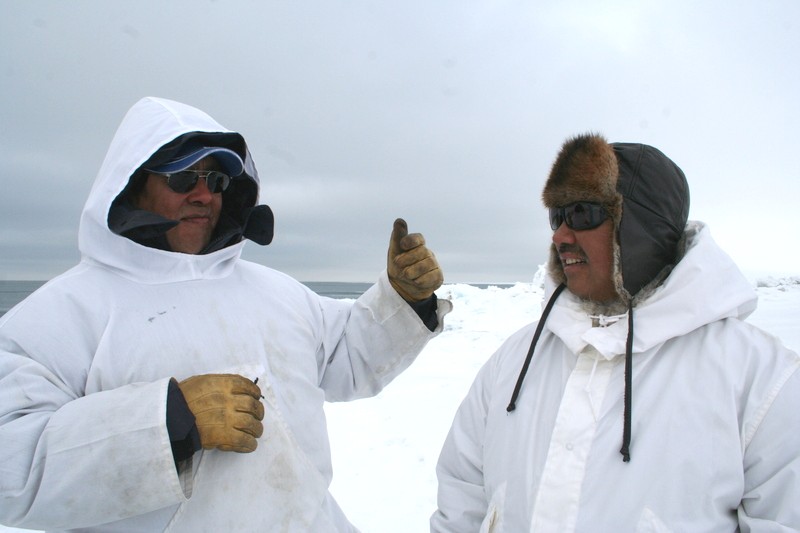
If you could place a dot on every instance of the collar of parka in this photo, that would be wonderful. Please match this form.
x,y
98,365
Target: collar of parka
x,y
646,196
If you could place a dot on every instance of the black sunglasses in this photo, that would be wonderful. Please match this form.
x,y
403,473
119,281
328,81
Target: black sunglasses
x,y
578,216
186,180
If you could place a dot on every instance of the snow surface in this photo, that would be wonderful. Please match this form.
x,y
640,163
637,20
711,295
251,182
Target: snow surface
x,y
385,448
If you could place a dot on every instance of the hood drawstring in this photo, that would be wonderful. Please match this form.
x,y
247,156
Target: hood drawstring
x,y
513,403
626,430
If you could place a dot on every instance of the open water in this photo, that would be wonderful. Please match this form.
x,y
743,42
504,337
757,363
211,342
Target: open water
x,y
12,292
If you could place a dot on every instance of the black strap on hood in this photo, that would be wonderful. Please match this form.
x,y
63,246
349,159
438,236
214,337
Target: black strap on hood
x,y
143,227
626,427
149,229
512,405
259,225
626,430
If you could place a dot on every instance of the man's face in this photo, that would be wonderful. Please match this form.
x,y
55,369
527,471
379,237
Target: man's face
x,y
197,210
587,258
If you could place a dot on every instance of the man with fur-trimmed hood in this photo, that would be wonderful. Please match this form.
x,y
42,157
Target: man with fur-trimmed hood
x,y
165,384
641,400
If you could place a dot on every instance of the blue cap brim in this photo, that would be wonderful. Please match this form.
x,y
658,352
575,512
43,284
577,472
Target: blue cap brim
x,y
229,160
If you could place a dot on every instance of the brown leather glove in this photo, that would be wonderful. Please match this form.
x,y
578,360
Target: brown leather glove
x,y
413,269
227,410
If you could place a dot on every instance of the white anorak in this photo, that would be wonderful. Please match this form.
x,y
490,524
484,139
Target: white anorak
x,y
715,419
85,363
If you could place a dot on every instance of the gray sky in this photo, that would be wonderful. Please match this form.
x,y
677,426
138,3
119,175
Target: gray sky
x,y
448,113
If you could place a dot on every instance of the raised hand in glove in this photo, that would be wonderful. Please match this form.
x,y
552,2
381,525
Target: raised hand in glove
x,y
413,269
227,410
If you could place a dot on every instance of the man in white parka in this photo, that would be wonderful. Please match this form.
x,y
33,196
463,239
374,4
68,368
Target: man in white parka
x,y
641,400
129,383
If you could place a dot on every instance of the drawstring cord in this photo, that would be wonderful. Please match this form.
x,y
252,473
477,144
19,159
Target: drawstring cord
x,y
626,429
513,403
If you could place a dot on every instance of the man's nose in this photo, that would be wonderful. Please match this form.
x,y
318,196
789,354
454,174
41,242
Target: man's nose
x,y
563,235
201,193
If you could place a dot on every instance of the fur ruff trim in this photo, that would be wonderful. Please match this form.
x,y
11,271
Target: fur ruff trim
x,y
586,169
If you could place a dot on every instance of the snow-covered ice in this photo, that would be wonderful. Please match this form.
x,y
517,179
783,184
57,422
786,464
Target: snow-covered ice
x,y
385,448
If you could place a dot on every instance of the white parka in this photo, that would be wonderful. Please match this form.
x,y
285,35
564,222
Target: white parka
x,y
85,363
715,419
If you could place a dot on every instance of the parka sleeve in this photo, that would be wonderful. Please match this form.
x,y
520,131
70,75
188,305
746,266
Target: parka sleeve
x,y
771,500
461,499
106,455
372,342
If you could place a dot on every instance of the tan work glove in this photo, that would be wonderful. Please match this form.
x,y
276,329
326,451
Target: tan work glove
x,y
227,410
413,269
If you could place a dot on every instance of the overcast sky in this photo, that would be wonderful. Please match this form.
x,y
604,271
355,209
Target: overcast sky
x,y
447,113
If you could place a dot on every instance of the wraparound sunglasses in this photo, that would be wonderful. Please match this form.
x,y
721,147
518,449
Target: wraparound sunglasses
x,y
186,180
578,215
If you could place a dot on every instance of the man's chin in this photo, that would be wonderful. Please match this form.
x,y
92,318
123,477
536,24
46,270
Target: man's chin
x,y
188,245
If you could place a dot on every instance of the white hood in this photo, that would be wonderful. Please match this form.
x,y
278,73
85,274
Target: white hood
x,y
149,124
704,287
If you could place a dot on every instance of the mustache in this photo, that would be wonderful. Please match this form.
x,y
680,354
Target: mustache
x,y
566,247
